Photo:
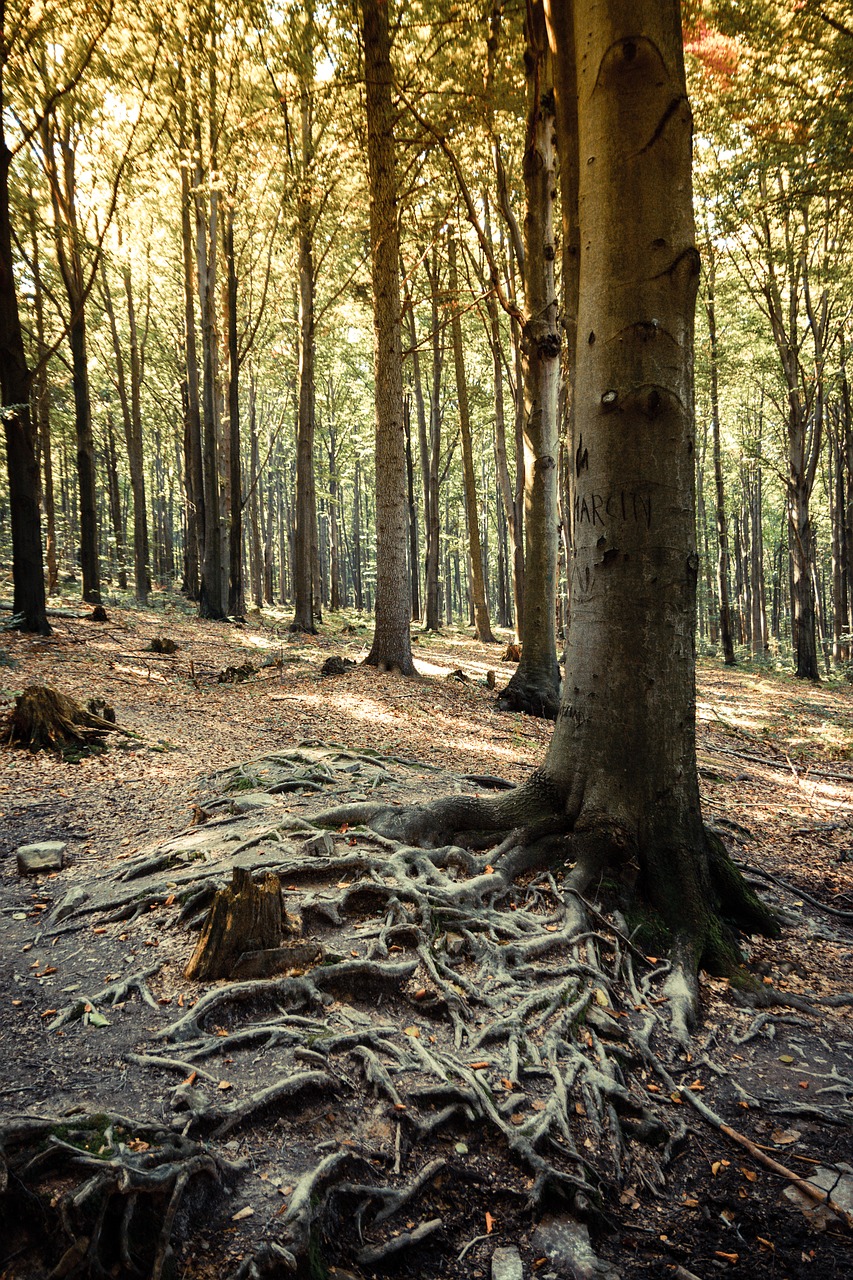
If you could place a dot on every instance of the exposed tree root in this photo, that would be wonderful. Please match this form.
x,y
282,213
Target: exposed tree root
x,y
489,989
120,1219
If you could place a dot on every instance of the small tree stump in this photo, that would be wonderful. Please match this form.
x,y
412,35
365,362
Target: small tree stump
x,y
44,718
244,917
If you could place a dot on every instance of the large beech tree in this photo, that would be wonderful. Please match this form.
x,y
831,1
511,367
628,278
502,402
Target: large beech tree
x,y
392,643
619,786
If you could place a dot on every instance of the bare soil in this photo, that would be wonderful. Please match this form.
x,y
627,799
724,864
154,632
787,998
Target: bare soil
x,y
148,820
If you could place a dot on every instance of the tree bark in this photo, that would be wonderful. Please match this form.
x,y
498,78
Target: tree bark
x,y
535,686
392,645
722,524
482,624
29,604
236,593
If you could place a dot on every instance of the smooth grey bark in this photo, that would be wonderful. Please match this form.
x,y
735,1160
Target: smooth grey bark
x,y
726,638
392,644
535,685
478,586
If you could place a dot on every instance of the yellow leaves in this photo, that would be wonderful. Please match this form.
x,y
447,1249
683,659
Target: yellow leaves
x,y
414,1032
224,1084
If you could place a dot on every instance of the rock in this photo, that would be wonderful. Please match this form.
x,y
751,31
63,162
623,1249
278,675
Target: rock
x,y
252,800
69,904
318,846
565,1242
839,1186
33,859
506,1264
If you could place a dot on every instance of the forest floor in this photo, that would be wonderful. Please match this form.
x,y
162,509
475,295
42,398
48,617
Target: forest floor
x,y
368,1109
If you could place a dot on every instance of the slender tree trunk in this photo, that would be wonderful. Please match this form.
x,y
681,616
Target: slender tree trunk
x,y
115,504
478,586
236,593
535,686
136,461
392,646
414,552
41,408
28,605
722,524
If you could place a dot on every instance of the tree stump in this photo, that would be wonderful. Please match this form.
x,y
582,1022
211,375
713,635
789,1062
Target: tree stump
x,y
244,917
45,718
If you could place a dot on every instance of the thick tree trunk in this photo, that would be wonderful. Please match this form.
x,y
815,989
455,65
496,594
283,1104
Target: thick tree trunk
x,y
392,646
535,686
623,754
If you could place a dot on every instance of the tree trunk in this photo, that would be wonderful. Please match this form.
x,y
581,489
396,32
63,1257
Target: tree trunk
x,y
136,461
535,686
392,645
722,525
29,605
41,406
414,553
623,753
236,593
213,596
115,503
478,586
193,464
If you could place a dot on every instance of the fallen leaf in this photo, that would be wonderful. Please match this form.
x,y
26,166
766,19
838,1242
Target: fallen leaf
x,y
784,1137
242,1213
690,1203
51,968
414,1032
537,1104
490,1222
490,871
478,1066
727,1257
804,1084
749,1174
766,1244
224,1084
676,1097
786,1058
191,1078
697,1086
49,1013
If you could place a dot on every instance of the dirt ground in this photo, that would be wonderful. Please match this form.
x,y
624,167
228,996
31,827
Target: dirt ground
x,y
100,1021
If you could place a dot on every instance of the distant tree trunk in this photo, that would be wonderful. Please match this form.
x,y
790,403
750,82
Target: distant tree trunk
x,y
193,464
28,602
392,647
236,593
41,408
335,591
430,457
256,500
414,555
213,595
722,525
115,504
512,511
135,458
535,686
478,585
358,590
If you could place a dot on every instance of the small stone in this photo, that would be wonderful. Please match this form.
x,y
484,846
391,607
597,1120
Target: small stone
x,y
36,858
252,800
506,1264
461,1149
322,846
565,1243
69,904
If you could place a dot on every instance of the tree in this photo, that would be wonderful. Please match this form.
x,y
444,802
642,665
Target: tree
x,y
28,605
618,790
535,685
392,643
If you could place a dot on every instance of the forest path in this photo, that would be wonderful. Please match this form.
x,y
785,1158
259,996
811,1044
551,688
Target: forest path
x,y
777,780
